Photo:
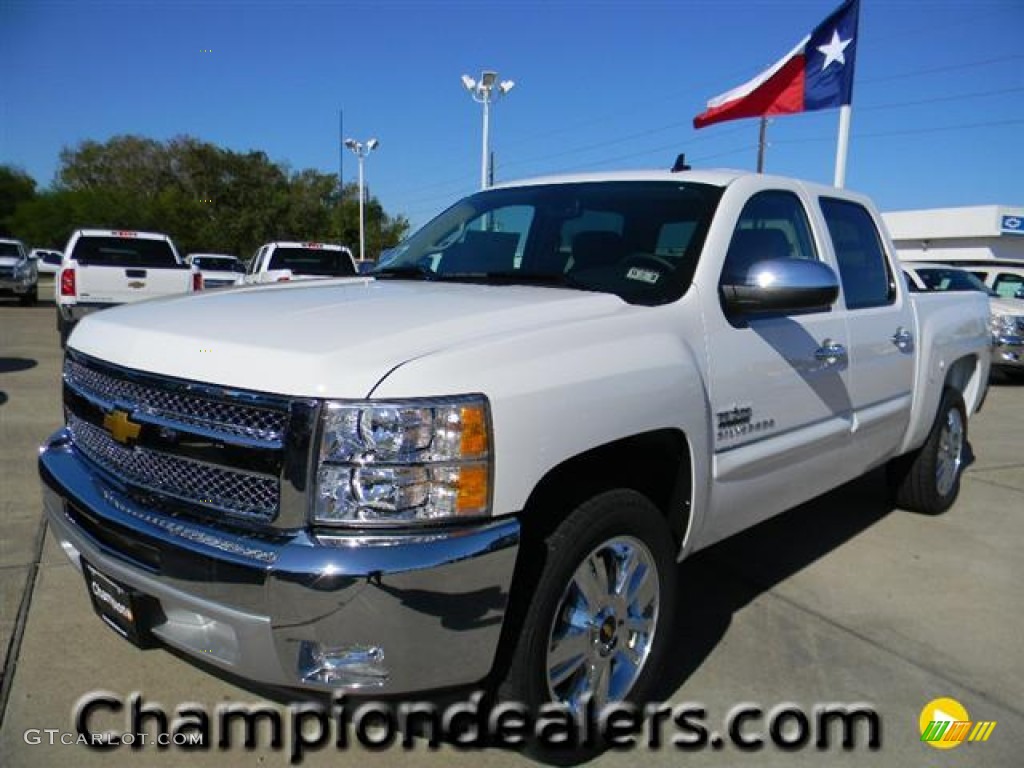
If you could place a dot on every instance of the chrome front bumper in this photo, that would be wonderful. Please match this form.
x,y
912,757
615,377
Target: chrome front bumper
x,y
1008,351
18,287
394,613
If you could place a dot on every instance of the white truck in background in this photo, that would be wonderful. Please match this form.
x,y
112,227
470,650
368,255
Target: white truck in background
x,y
1006,319
219,270
281,262
480,464
102,268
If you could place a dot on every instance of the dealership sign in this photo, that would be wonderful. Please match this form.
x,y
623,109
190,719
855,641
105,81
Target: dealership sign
x,y
1011,225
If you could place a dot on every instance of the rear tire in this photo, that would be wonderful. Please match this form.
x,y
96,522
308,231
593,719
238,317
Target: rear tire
x,y
928,480
599,617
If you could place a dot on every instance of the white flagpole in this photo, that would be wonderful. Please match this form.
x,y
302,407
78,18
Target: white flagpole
x,y
761,144
842,145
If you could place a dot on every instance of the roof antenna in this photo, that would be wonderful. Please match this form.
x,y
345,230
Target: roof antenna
x,y
681,164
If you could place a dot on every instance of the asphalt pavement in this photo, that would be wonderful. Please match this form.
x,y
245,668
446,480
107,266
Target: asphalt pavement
x,y
844,600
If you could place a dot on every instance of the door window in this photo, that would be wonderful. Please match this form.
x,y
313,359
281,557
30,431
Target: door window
x,y
772,225
1007,285
863,266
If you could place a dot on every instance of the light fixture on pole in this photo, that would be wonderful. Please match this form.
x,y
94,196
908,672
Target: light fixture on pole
x,y
361,150
485,91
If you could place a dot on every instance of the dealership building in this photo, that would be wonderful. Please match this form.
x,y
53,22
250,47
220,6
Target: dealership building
x,y
974,233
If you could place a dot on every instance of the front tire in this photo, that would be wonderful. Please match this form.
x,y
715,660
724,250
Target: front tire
x,y
928,480
31,298
598,622
63,329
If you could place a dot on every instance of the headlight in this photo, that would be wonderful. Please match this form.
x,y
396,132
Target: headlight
x,y
401,462
1003,325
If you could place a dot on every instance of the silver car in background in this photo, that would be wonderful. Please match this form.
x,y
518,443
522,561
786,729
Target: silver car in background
x,y
18,274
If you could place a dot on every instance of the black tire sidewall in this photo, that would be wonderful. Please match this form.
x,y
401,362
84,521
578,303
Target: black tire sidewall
x,y
951,400
602,518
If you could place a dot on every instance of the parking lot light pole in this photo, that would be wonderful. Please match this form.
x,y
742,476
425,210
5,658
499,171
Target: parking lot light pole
x,y
485,91
361,151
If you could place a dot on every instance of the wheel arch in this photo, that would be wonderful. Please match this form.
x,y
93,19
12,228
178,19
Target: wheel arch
x,y
965,377
657,464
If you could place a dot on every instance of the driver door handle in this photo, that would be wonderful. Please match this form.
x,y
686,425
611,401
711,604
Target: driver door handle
x,y
830,352
902,338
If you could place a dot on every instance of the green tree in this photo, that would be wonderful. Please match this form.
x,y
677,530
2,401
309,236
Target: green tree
x,y
206,197
133,163
16,187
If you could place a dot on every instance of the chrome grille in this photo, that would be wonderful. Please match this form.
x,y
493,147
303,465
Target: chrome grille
x,y
217,416
214,487
6,273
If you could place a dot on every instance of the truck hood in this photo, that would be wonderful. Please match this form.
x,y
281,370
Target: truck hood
x,y
1004,306
9,261
321,338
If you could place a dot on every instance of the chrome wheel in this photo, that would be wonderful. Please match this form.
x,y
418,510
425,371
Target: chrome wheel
x,y
950,452
604,626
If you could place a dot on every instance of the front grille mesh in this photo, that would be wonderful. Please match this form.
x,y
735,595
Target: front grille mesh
x,y
228,419
192,481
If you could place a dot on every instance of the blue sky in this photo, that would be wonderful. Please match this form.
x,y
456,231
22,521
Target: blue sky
x,y
938,104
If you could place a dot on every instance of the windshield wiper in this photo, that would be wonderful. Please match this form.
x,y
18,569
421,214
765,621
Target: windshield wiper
x,y
510,277
515,277
406,272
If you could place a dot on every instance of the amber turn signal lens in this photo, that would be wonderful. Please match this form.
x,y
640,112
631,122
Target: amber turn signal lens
x,y
474,431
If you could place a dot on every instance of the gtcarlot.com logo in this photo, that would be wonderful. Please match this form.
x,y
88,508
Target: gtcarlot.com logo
x,y
945,724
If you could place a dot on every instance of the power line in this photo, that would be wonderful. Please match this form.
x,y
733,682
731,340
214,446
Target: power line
x,y
675,124
949,68
939,99
907,131
751,147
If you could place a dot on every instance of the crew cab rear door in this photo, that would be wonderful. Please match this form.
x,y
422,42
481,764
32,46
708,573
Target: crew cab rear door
x,y
778,384
881,331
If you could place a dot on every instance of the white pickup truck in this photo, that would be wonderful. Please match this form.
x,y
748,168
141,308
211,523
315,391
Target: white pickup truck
x,y
1006,314
106,267
219,270
482,462
282,262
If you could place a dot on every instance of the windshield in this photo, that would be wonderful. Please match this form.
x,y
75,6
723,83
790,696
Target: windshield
x,y
9,249
123,252
639,240
938,279
218,264
322,262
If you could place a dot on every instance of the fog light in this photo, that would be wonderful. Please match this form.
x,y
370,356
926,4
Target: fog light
x,y
353,666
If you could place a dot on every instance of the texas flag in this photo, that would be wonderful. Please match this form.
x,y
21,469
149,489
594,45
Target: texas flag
x,y
816,74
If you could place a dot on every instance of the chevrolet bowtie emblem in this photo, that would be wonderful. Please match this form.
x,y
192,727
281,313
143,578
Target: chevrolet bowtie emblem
x,y
136,284
120,427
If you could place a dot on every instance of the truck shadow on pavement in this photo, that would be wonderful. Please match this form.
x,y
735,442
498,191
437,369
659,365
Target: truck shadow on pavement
x,y
14,365
716,583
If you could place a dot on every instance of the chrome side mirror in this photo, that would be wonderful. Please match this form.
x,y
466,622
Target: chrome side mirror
x,y
781,285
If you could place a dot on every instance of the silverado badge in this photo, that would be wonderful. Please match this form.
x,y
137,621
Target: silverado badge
x,y
120,427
